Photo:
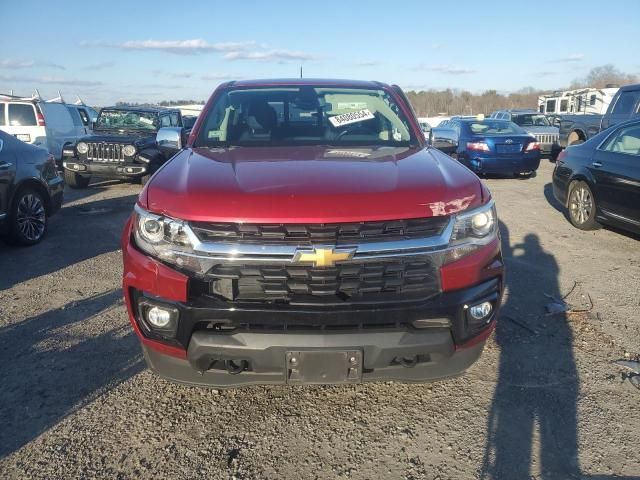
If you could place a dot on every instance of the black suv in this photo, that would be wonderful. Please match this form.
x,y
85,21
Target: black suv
x,y
123,146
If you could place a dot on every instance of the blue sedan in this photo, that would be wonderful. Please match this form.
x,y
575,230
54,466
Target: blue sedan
x,y
488,146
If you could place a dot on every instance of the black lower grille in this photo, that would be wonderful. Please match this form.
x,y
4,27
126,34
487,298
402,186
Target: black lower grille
x,y
378,282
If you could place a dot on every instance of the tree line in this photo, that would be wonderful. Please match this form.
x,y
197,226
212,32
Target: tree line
x,y
430,103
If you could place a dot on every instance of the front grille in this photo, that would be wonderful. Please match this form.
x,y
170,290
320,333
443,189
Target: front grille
x,y
105,152
547,139
382,281
324,233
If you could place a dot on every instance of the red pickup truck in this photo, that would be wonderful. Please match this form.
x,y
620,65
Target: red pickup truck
x,y
305,233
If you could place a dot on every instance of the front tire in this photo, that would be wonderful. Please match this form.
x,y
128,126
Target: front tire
x,y
582,206
575,138
75,180
29,218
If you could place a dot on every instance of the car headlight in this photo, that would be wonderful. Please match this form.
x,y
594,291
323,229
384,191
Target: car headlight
x,y
472,230
82,148
129,150
166,239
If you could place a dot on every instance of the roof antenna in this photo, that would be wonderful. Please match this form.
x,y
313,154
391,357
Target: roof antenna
x,y
300,71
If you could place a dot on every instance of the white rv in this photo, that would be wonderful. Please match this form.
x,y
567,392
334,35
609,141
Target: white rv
x,y
586,101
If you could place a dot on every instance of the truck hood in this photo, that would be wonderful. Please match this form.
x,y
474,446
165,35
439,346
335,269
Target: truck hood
x,y
311,184
137,138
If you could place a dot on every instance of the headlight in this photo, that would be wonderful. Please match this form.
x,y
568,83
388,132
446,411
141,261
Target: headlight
x,y
472,230
166,239
82,148
129,150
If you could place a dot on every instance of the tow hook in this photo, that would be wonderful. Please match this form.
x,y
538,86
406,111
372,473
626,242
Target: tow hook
x,y
234,367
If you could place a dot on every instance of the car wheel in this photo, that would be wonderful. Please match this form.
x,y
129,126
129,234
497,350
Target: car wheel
x,y
76,181
574,139
28,218
582,207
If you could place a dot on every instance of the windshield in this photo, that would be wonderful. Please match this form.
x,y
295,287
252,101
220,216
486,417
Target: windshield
x,y
305,115
494,127
531,120
127,120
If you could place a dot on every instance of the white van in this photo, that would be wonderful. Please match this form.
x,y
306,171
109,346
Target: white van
x,y
48,124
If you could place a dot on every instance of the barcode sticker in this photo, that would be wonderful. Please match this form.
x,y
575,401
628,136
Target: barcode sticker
x,y
351,117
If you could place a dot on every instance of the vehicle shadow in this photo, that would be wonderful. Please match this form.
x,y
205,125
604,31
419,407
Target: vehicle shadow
x,y
51,369
551,199
76,233
537,388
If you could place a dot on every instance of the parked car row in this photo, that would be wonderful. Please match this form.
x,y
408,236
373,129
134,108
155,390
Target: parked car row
x,y
309,207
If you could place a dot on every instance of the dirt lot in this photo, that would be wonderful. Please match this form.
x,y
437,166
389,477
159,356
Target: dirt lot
x,y
544,401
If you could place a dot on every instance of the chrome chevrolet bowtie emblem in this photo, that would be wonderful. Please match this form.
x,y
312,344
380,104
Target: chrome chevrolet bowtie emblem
x,y
508,140
323,257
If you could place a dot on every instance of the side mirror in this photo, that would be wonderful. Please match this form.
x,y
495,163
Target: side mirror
x,y
170,138
444,139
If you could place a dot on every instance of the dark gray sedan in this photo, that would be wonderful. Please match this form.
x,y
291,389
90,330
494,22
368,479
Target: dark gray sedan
x,y
30,190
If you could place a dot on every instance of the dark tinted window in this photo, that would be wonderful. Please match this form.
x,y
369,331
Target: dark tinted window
x,y
2,114
563,105
305,115
551,106
592,100
22,115
491,127
84,117
77,121
626,102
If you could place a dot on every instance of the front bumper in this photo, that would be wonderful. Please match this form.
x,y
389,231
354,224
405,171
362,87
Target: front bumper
x,y
120,170
447,344
212,333
268,352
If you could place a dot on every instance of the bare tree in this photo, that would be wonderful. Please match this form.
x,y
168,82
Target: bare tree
x,y
600,77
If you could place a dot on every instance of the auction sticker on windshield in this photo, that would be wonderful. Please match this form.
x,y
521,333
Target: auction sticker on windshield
x,y
351,117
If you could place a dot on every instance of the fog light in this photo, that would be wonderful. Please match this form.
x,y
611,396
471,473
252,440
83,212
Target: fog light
x,y
480,311
158,317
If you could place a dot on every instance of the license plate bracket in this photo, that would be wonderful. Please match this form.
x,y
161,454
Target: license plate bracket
x,y
324,366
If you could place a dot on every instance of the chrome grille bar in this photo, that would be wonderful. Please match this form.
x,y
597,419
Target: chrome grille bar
x,y
105,152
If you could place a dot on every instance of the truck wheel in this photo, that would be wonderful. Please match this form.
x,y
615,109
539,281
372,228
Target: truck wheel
x,y
575,138
582,206
74,180
28,220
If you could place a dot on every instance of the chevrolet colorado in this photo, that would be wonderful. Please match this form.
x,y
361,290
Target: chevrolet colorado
x,y
306,233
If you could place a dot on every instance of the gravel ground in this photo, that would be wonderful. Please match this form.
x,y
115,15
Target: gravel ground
x,y
544,401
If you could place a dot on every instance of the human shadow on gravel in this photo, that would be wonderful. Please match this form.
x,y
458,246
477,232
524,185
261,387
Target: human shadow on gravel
x,y
537,387
53,364
76,233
